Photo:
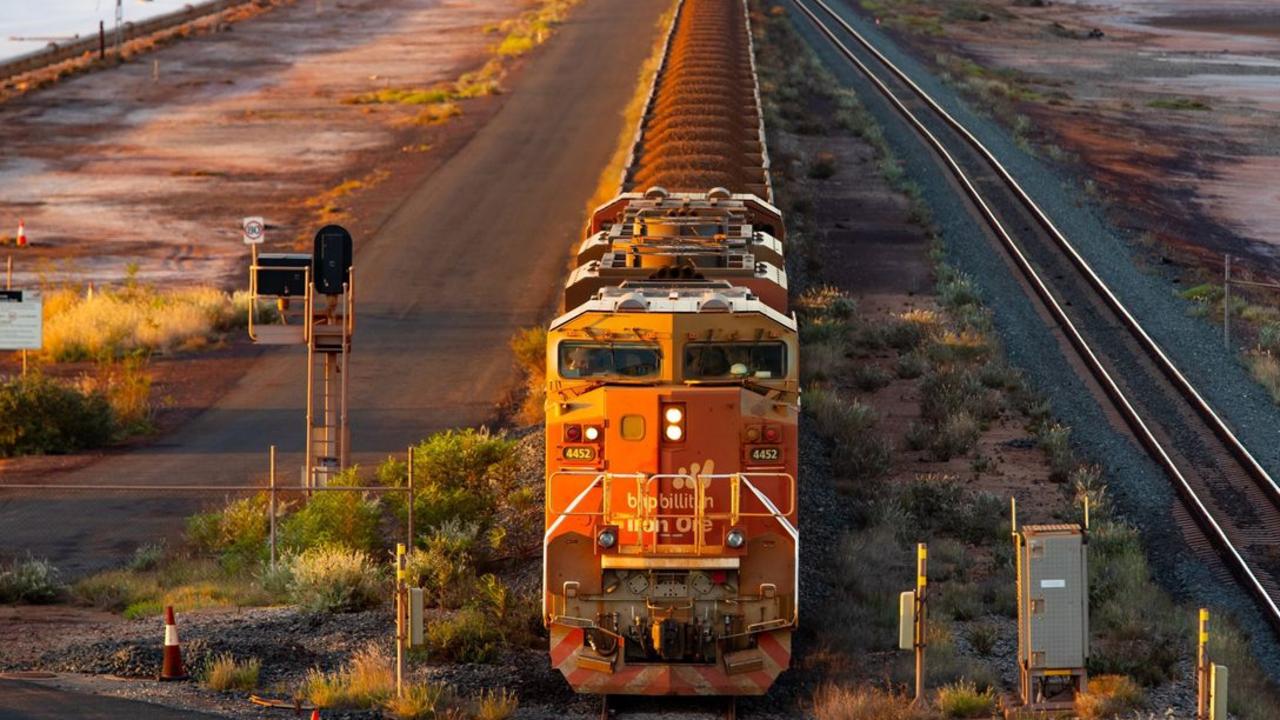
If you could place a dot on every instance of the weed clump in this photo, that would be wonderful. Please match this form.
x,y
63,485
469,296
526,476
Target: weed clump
x,y
334,578
31,580
226,673
1109,696
963,699
367,681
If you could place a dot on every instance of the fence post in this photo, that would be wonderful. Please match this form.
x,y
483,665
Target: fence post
x,y
1202,666
271,479
409,510
922,604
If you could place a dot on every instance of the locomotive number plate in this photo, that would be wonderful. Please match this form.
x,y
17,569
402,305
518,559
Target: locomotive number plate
x,y
580,453
766,454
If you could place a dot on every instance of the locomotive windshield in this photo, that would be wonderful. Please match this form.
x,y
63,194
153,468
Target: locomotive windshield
x,y
594,360
734,360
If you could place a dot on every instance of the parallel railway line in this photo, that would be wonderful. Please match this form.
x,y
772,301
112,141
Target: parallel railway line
x,y
1229,501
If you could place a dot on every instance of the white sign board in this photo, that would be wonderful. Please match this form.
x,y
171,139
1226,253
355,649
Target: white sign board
x,y
21,320
255,230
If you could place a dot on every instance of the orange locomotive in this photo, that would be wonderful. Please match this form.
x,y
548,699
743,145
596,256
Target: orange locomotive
x,y
671,544
671,547
671,561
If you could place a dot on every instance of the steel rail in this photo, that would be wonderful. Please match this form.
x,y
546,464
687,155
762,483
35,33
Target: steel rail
x,y
1204,517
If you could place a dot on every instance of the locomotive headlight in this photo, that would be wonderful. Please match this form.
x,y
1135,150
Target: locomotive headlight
x,y
674,415
674,433
674,422
591,433
736,538
607,538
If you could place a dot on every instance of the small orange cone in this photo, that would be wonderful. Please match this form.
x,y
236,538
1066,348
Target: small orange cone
x,y
22,233
172,668
315,714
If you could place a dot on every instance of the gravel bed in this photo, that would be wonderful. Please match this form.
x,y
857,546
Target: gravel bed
x,y
1139,488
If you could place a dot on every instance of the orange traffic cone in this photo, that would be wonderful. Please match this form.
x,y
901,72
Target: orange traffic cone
x,y
315,714
172,669
22,233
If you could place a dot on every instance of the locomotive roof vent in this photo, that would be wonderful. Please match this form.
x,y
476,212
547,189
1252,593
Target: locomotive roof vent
x,y
657,192
714,302
632,302
718,193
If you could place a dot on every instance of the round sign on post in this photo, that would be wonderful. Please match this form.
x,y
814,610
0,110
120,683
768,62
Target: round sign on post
x,y
255,230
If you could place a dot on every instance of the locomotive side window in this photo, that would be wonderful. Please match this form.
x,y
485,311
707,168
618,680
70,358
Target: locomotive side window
x,y
732,360
589,360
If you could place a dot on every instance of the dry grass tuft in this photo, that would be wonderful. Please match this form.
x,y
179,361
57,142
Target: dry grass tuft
x,y
226,673
1109,696
962,699
113,323
838,702
426,701
367,681
530,348
496,705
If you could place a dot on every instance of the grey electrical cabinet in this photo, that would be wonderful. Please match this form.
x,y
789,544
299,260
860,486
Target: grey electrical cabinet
x,y
1053,613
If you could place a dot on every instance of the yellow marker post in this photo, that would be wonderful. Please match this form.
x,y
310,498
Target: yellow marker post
x,y
922,582
1202,667
400,619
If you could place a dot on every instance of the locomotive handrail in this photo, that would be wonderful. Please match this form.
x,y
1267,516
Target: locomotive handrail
x,y
650,517
643,480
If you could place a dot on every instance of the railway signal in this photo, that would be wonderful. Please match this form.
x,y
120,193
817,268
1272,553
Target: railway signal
x,y
324,322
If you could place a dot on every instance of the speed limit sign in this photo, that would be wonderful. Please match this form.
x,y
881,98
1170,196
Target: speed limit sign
x,y
255,230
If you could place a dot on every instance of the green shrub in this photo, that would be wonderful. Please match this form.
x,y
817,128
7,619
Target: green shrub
x,y
823,166
147,557
960,601
39,415
849,425
334,578
468,635
962,699
236,534
474,459
31,581
340,517
954,436
1055,441
983,637
870,377
226,673
445,565
911,366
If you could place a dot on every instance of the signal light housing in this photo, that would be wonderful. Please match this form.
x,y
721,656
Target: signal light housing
x,y
573,433
772,434
591,433
736,538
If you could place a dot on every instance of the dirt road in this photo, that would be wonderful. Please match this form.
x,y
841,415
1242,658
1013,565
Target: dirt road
x,y
470,255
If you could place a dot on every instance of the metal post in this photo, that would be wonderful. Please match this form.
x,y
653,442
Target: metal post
x,y
343,434
1202,667
409,510
102,40
8,273
1226,303
401,625
309,480
271,475
922,561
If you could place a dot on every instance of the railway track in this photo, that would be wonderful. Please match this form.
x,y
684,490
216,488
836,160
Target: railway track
x,y
1230,503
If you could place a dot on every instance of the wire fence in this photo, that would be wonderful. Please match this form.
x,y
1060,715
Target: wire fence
x,y
273,489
